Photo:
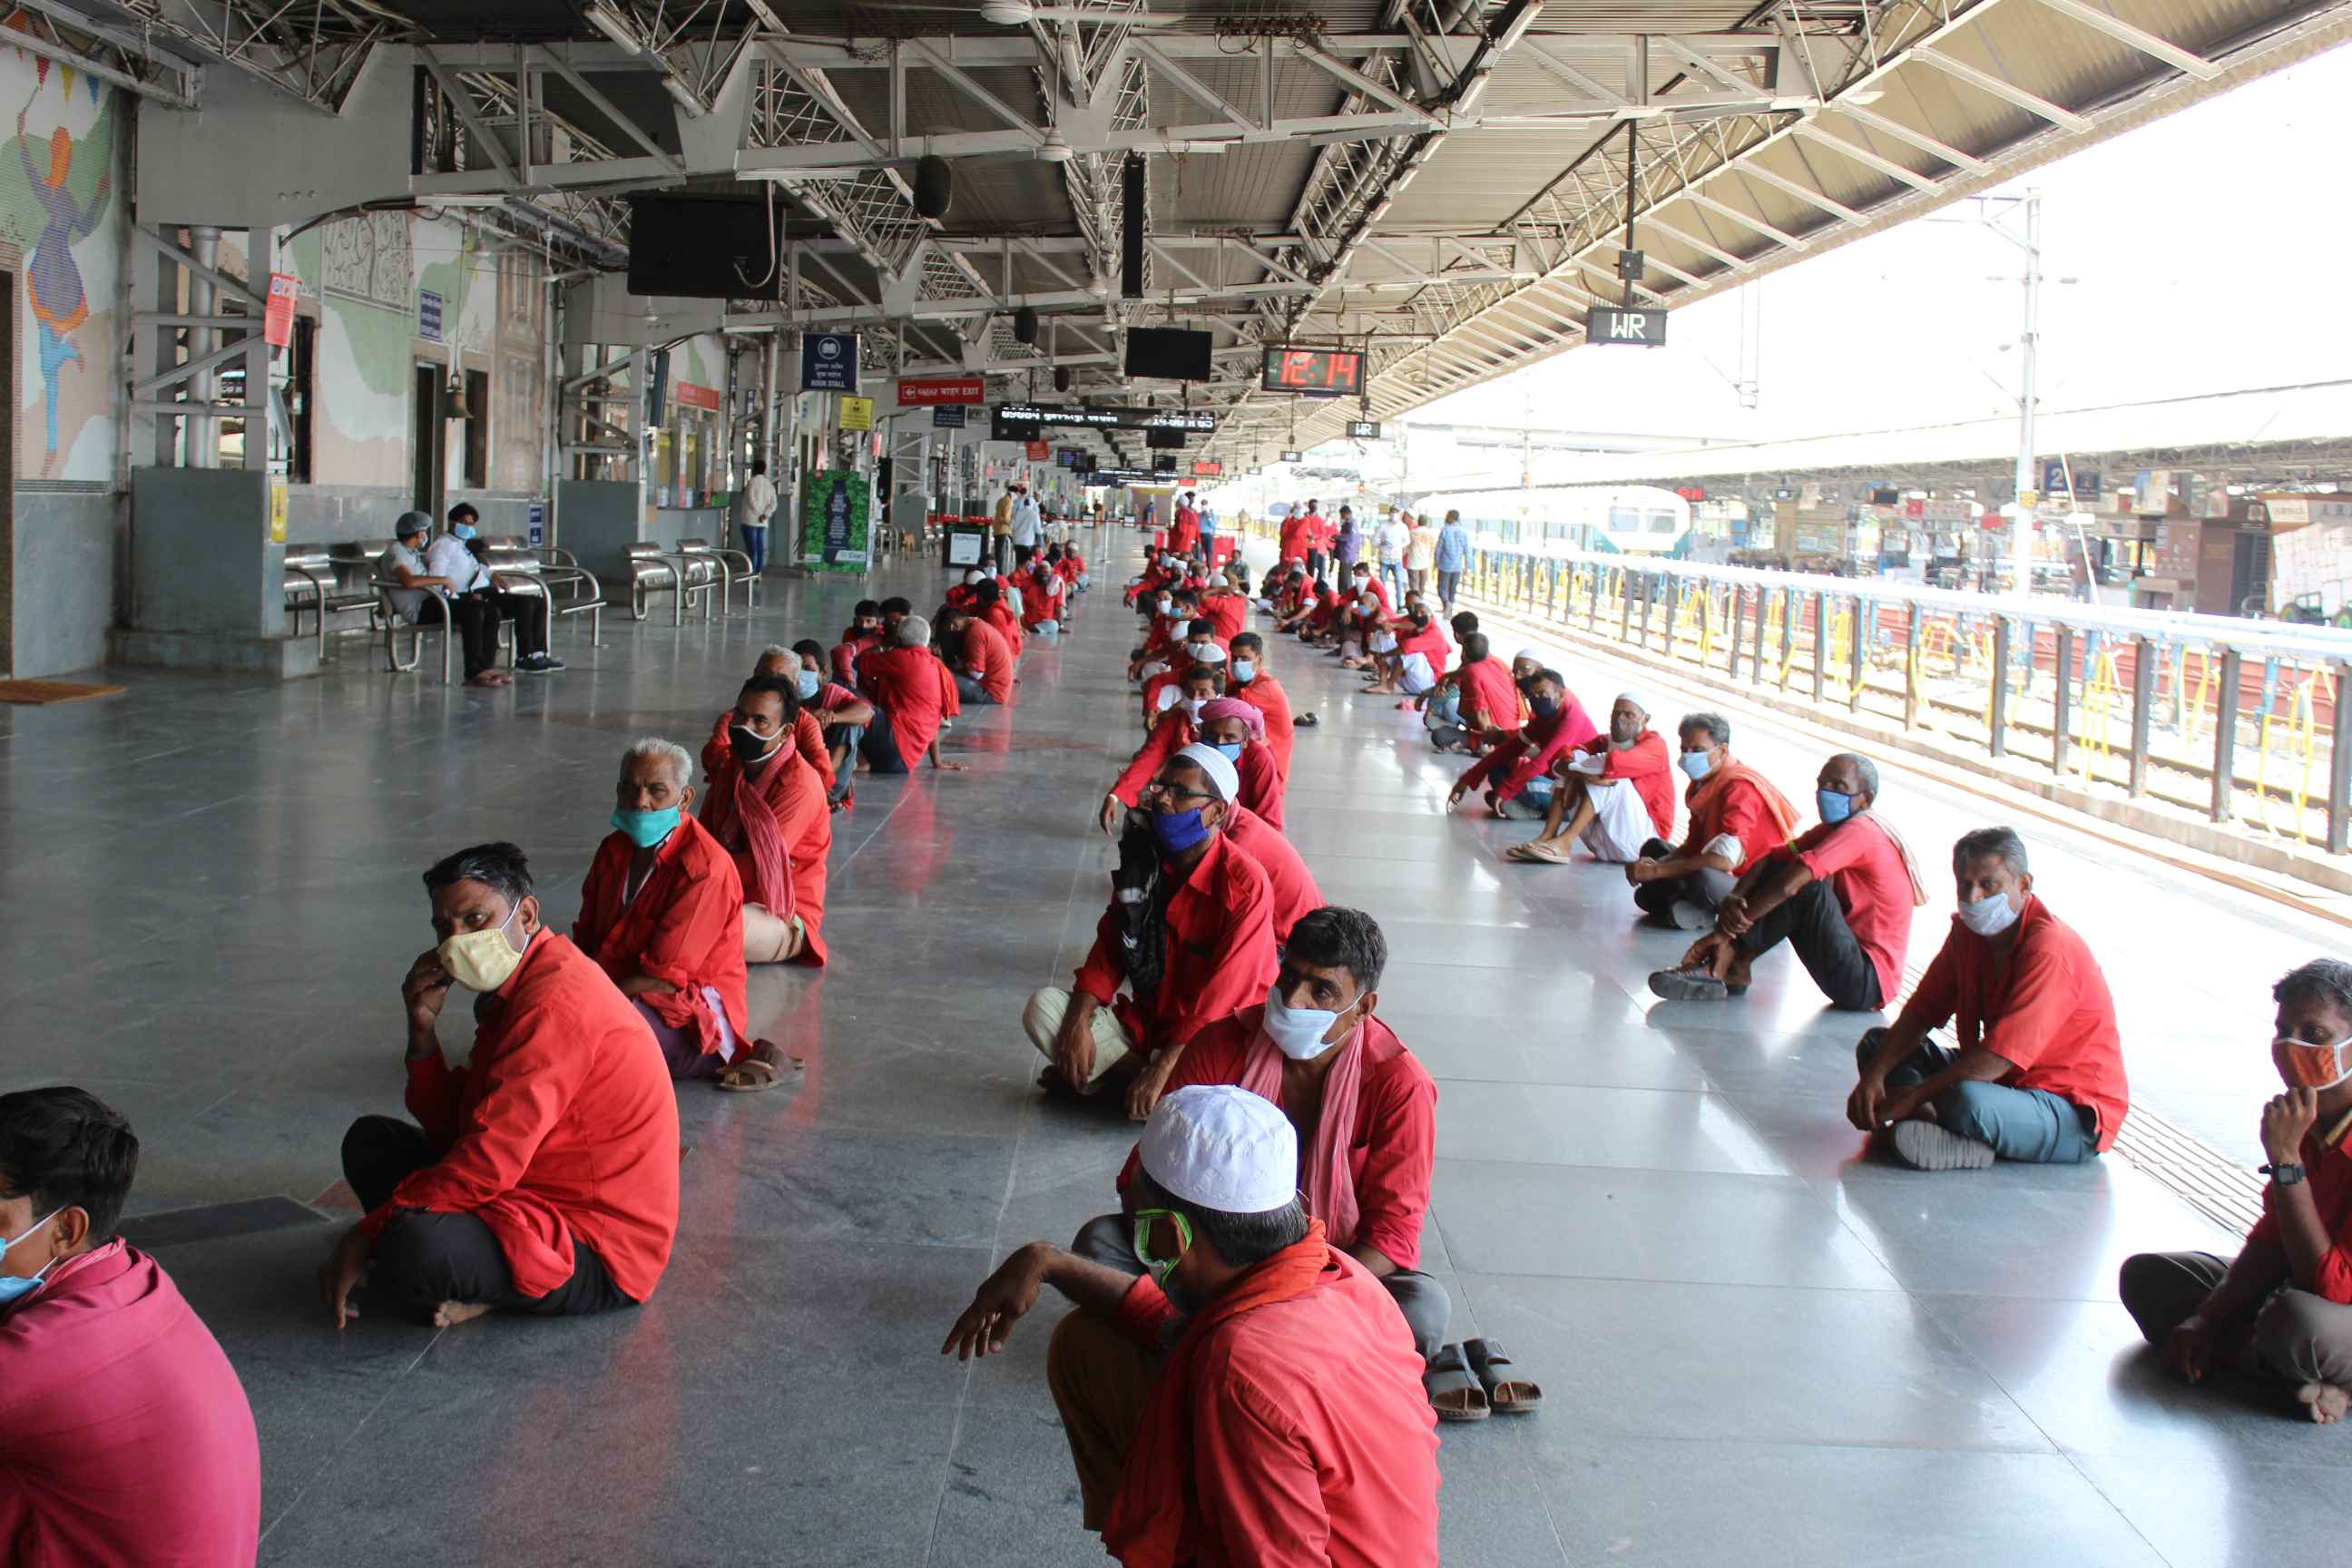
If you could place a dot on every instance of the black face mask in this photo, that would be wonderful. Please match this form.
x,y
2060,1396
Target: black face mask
x,y
748,745
1544,706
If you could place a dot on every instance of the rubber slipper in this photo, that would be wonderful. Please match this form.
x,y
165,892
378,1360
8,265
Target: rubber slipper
x,y
755,1073
1453,1387
1506,1394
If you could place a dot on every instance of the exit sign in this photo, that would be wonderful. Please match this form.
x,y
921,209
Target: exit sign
x,y
1609,324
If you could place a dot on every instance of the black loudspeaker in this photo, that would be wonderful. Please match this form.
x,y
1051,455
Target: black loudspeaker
x,y
1130,230
1024,324
1061,378
934,187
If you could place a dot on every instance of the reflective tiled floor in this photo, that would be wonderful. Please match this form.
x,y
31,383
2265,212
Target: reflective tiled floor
x,y
1757,1345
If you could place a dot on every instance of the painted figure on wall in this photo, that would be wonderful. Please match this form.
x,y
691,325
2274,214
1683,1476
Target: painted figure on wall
x,y
60,304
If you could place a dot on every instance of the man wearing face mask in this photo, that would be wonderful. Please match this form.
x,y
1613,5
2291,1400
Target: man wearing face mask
x,y
662,914
1735,815
2282,1309
125,1437
2038,1074
1176,726
1246,678
1520,767
1253,1395
1364,1108
984,665
766,807
1614,792
841,717
1162,679
457,555
542,1178
1839,894
863,635
808,735
1233,730
1189,932
1411,668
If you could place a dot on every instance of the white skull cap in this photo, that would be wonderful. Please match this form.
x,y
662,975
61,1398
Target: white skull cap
x,y
1223,1148
1634,701
1223,777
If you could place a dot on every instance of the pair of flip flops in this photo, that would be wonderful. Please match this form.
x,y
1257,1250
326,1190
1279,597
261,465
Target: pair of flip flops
x,y
1539,852
1474,1380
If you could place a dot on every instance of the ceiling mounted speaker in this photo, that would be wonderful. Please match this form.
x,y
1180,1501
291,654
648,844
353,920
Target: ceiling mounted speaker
x,y
934,187
1061,378
1024,324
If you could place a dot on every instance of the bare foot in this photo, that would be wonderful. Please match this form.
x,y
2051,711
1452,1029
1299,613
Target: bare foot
x,y
2325,1401
449,1314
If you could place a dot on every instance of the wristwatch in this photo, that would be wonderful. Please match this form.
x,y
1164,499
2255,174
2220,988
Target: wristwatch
x,y
2286,1173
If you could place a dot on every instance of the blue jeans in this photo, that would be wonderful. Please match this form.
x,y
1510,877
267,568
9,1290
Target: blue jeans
x,y
2031,1125
1532,803
1448,584
971,691
1393,574
755,545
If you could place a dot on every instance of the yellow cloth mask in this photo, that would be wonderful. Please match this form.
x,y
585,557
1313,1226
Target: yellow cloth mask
x,y
482,961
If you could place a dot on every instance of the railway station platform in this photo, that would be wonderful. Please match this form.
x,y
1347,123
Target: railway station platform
x,y
1757,1342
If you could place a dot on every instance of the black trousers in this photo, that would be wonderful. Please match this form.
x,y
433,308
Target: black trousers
x,y
1816,926
424,1259
1705,889
880,745
476,620
528,614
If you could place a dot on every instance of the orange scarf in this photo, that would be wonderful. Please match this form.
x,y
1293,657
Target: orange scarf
x,y
738,813
1153,1520
1727,772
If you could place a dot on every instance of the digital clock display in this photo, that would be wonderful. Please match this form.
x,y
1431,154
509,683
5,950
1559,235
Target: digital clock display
x,y
1317,373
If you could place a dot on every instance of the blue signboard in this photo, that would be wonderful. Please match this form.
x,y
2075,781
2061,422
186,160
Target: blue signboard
x,y
828,362
538,533
948,417
2054,480
428,315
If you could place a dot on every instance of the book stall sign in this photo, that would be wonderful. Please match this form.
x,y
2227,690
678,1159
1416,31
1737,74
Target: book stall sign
x,y
836,522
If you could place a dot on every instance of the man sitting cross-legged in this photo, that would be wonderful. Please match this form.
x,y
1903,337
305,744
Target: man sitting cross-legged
x,y
1839,894
1736,816
2282,1309
543,1177
766,807
1253,1395
2038,1072
1188,934
1614,792
662,914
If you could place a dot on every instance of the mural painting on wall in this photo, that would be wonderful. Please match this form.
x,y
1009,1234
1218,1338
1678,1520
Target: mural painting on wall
x,y
56,193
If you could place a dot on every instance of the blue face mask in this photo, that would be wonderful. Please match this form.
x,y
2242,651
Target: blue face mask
x,y
462,530
809,681
1698,764
16,1288
1243,672
646,828
1231,749
1834,807
1179,831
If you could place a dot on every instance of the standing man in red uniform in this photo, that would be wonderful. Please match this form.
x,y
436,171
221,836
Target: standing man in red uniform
x,y
766,808
2038,1074
1254,1397
125,1437
1187,938
543,1177
1840,894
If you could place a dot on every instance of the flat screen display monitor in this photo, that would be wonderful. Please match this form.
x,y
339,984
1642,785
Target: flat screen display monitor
x,y
1168,353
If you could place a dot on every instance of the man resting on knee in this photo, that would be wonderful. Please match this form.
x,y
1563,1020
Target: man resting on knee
x,y
543,1177
662,914
2281,1310
1736,816
2038,1074
1252,1396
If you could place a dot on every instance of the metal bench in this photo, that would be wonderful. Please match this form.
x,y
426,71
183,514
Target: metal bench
x,y
314,582
734,566
570,589
653,569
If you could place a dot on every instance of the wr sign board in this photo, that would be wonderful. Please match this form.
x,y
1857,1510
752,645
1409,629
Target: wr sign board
x,y
1609,324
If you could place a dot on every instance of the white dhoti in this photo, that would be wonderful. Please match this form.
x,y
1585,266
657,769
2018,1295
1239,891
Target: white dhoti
x,y
1416,676
1620,823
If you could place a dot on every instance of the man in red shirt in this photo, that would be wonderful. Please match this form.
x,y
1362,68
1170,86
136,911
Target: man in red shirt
x,y
1260,782
1188,934
841,716
986,674
1254,1397
1840,895
1316,535
1736,816
863,636
766,808
542,1178
1486,702
1613,793
125,1437
912,695
1520,765
1226,606
1246,678
662,914
2038,1074
2282,1309
1286,876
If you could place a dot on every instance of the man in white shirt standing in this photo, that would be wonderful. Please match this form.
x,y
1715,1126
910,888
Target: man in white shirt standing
x,y
1390,539
1028,523
758,506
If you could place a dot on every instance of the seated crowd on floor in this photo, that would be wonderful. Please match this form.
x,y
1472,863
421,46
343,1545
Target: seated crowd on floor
x,y
1255,1362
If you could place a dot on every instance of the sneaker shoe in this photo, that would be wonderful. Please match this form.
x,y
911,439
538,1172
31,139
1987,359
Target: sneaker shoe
x,y
1687,986
1689,916
1931,1146
534,665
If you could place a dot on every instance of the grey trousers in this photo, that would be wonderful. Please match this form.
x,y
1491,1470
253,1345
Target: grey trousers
x,y
1109,1240
2296,1335
1707,888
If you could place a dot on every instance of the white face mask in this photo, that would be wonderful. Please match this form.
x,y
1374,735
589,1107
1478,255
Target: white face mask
x,y
1297,1032
1192,706
1989,916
